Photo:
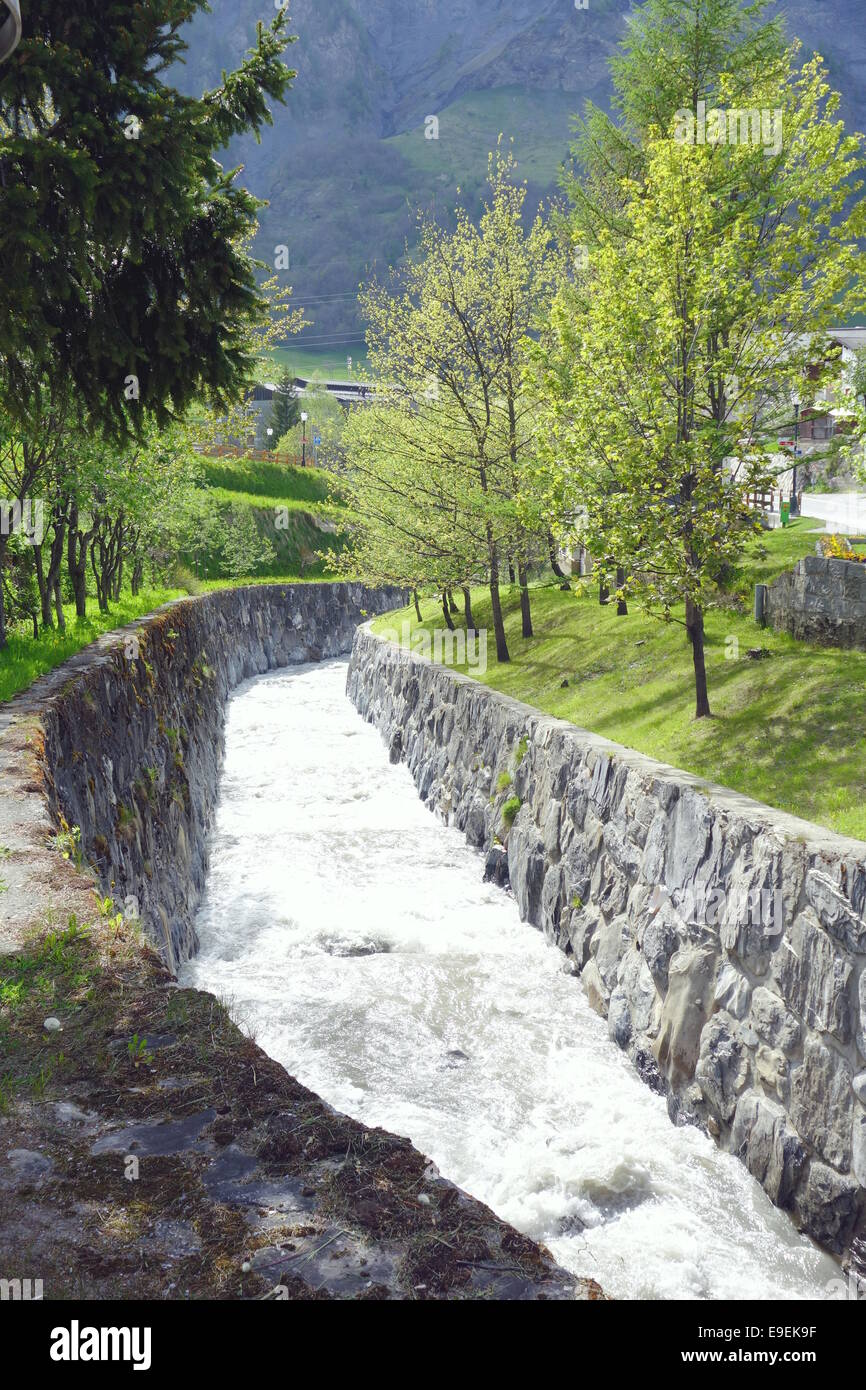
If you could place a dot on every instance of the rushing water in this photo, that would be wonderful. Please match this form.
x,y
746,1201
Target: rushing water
x,y
352,932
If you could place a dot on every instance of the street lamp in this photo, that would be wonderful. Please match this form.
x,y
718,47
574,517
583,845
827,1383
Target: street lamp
x,y
304,446
795,401
10,27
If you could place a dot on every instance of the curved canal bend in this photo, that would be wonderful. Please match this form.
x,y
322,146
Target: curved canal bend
x,y
352,932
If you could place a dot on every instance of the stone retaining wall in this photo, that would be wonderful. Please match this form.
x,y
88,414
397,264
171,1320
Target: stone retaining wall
x,y
723,941
821,600
133,745
127,736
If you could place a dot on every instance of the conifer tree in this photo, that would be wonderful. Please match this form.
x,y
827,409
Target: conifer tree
x,y
122,239
286,408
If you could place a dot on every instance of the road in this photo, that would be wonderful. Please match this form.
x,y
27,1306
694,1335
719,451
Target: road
x,y
843,511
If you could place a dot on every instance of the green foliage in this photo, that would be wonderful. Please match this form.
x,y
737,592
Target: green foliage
x,y
242,548
435,472
503,781
510,809
679,344
285,408
68,841
326,419
121,236
138,1051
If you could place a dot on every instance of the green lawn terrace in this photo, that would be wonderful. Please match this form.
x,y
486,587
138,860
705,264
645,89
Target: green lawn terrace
x,y
787,724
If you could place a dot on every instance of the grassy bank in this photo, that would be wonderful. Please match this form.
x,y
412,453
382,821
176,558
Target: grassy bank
x,y
327,364
787,729
25,658
234,485
309,523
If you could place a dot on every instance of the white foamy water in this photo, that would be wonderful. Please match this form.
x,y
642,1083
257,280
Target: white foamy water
x,y
352,932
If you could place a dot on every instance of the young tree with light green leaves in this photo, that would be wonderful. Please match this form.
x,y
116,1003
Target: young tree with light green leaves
x,y
448,348
699,312
326,419
398,482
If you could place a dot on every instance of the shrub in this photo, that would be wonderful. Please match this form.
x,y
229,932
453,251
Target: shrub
x,y
183,578
510,809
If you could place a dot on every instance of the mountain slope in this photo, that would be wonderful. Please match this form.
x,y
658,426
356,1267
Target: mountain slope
x,y
348,160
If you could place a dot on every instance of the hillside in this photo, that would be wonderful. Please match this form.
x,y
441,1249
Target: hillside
x,y
347,162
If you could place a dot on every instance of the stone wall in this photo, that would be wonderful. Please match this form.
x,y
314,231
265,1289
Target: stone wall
x,y
821,600
133,744
127,737
724,942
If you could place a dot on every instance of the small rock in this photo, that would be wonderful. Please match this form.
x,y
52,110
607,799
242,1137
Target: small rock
x,y
27,1163
496,867
758,653
52,1025
563,685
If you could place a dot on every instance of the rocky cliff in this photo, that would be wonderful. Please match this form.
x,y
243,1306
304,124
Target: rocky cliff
x,y
352,135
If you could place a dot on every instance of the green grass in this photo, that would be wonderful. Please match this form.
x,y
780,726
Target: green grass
x,y
329,363
539,121
266,482
263,488
238,483
24,659
787,730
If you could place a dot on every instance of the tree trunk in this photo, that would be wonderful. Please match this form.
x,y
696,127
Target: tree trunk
x,y
417,605
58,607
451,604
117,583
621,605
77,545
498,623
44,589
695,630
554,562
467,610
511,576
55,564
4,543
603,592
449,621
525,611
